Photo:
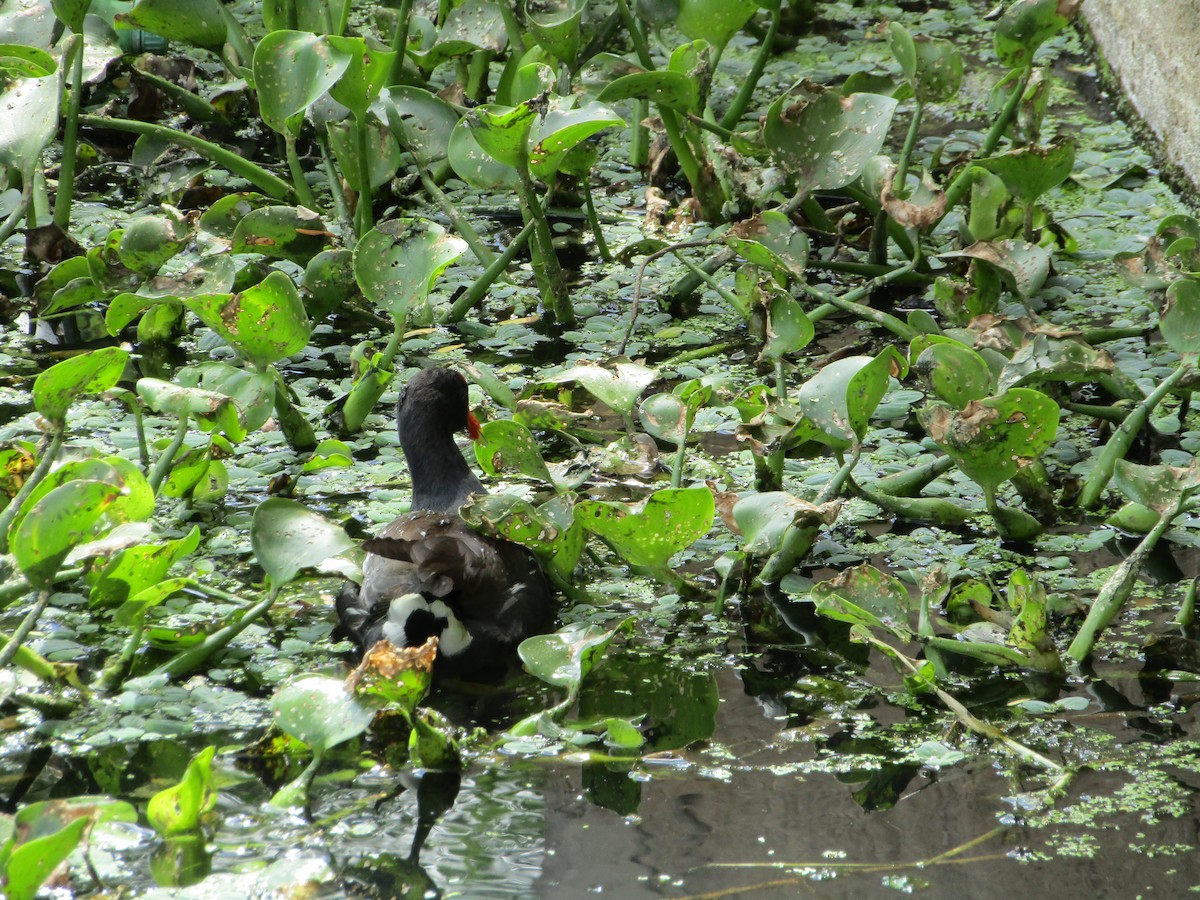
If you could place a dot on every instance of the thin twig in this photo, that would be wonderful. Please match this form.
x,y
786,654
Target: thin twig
x,y
637,283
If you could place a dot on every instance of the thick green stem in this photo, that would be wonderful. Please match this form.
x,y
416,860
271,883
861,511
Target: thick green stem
x,y
814,212
640,46
938,510
546,269
295,794
266,182
680,462
478,68
18,213
387,359
66,171
1115,413
697,353
477,291
683,149
1187,609
688,284
705,188
824,311
913,480
481,250
45,461
27,625
724,293
712,127
299,182
217,593
39,208
594,222
866,270
996,132
139,427
512,26
746,91
114,672
400,41
364,215
962,182
900,182
1117,588
965,716
1118,445
336,189
235,37
895,231
848,302
994,654
193,658
798,539
167,457
343,17
33,663
899,186
295,427
639,135
1112,333
363,397
16,588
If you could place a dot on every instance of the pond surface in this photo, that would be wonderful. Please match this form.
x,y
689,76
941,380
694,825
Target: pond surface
x,y
769,808
783,758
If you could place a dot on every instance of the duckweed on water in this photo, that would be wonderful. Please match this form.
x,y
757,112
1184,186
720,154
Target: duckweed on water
x,y
858,648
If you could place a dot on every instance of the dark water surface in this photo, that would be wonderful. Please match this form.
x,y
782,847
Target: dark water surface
x,y
710,823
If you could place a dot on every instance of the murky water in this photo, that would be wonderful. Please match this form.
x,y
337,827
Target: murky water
x,y
746,814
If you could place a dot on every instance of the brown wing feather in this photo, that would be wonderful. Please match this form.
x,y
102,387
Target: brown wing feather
x,y
495,587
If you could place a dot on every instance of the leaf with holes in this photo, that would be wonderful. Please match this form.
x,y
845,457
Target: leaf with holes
x,y
286,536
560,130
397,262
263,324
616,388
292,69
564,659
63,383
828,140
1026,25
510,445
989,438
320,711
56,524
669,521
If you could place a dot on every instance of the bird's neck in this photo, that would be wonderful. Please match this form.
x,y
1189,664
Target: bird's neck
x,y
441,478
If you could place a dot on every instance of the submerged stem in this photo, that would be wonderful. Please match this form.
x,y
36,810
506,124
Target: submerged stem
x,y
265,181
476,292
27,624
746,91
163,465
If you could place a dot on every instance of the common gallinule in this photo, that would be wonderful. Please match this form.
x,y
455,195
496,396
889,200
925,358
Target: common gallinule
x,y
428,572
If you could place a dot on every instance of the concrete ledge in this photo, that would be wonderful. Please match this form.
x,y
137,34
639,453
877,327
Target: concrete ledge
x,y
1153,49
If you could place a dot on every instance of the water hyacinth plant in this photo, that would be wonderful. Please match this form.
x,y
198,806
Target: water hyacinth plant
x,y
834,361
